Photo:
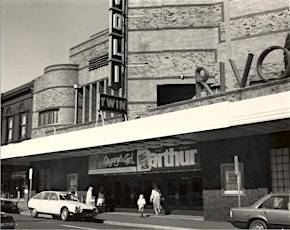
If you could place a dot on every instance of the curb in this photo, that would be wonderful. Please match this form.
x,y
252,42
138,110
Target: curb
x,y
147,226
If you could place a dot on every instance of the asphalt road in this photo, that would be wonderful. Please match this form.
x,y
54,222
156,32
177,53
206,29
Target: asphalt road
x,y
42,222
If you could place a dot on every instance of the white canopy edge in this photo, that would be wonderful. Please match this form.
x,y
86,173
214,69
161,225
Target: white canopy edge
x,y
209,117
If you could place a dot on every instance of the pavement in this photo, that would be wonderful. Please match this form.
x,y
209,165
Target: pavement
x,y
152,221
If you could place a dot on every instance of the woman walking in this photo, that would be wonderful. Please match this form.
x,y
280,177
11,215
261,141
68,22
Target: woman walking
x,y
155,198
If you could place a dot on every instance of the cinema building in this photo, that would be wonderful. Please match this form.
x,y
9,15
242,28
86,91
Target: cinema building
x,y
155,100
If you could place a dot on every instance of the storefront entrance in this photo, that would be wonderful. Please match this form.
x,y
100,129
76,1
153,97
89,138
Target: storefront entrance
x,y
181,190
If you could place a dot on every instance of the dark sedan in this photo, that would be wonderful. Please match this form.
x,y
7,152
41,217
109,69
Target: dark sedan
x,y
9,205
7,221
271,211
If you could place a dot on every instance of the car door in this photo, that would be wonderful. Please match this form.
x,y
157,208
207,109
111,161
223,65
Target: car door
x,y
53,204
41,205
276,211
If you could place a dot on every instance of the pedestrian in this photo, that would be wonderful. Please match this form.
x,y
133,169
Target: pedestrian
x,y
141,204
155,198
89,196
101,199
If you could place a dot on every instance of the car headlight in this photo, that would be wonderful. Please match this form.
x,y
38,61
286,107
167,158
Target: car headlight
x,y
78,209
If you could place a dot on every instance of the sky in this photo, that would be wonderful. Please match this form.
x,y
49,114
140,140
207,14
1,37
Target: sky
x,y
35,34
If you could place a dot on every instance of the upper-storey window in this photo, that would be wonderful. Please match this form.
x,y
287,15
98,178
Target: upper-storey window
x,y
48,117
23,125
10,129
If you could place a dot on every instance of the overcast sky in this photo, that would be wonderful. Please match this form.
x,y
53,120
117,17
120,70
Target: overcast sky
x,y
39,33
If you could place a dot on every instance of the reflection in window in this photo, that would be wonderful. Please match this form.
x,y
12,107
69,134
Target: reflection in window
x,y
276,202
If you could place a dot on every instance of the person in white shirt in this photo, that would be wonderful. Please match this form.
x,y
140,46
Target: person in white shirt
x,y
89,197
155,198
141,204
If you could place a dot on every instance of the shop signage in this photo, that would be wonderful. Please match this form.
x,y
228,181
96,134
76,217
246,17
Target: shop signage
x,y
144,161
201,79
116,43
112,163
112,103
170,158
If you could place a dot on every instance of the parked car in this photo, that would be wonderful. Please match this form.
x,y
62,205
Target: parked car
x,y
7,221
9,205
271,211
60,204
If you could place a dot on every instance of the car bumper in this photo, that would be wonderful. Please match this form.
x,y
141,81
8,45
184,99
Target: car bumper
x,y
238,224
87,214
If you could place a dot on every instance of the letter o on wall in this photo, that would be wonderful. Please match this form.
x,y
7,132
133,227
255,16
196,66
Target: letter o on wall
x,y
199,77
265,53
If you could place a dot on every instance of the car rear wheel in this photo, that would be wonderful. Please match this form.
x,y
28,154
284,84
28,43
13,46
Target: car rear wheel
x,y
33,212
258,224
64,214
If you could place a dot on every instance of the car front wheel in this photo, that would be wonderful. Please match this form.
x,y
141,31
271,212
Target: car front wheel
x,y
64,214
33,213
258,224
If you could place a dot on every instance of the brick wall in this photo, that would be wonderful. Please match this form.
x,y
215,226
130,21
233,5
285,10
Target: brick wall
x,y
96,46
54,89
169,38
217,207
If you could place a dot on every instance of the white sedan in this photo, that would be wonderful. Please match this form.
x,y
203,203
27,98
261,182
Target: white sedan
x,y
60,204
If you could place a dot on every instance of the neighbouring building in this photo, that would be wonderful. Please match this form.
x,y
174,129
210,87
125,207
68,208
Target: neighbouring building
x,y
155,100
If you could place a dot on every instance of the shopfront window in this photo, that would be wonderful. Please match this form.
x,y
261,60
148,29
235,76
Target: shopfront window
x,y
44,179
280,170
229,179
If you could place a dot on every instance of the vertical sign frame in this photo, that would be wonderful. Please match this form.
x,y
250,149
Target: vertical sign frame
x,y
116,44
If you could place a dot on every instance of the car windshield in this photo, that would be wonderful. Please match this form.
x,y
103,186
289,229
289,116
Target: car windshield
x,y
68,196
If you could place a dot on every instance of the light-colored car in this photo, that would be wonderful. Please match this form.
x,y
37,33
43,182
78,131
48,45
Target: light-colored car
x,y
60,204
271,211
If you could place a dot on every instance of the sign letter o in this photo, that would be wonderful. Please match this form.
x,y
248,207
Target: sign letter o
x,y
265,53
198,76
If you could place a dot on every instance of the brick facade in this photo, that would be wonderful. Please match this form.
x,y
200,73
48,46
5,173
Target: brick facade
x,y
54,90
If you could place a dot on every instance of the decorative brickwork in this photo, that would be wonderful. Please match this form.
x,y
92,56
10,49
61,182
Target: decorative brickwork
x,y
216,207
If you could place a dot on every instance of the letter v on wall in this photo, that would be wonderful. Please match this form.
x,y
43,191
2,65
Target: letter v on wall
x,y
242,81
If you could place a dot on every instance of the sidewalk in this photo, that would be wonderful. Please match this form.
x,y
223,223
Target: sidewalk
x,y
151,221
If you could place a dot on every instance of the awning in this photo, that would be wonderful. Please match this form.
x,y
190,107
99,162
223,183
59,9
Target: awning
x,y
211,117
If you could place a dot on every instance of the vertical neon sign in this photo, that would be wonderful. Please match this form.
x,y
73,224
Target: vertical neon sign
x,y
115,43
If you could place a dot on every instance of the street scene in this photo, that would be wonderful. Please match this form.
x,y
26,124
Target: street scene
x,y
119,221
145,114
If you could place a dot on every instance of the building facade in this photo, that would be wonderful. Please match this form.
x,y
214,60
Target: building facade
x,y
188,112
16,123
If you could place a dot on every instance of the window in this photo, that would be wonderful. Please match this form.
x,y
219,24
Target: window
x,y
48,117
276,202
280,170
171,93
44,179
23,125
46,196
53,196
10,128
229,179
